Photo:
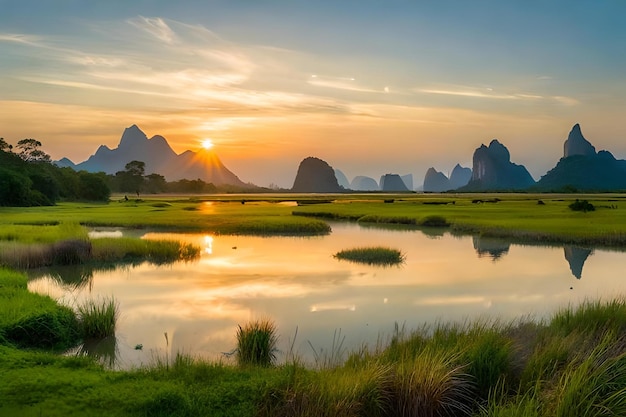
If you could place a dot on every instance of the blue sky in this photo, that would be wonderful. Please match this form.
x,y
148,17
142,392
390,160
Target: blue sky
x,y
371,87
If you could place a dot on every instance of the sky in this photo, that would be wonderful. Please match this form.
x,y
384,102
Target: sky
x,y
371,87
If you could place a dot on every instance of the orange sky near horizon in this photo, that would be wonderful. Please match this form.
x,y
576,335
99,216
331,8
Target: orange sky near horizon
x,y
370,89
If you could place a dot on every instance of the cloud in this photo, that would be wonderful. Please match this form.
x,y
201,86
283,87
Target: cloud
x,y
20,38
489,93
341,83
155,27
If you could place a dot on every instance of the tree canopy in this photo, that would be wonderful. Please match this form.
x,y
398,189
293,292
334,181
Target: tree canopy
x,y
28,178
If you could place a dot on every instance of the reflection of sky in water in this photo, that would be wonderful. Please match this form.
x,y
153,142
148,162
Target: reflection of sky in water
x,y
297,282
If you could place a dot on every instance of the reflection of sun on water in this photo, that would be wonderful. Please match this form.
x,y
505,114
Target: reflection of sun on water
x,y
208,244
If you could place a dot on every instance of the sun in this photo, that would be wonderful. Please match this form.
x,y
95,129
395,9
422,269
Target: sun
x,y
207,143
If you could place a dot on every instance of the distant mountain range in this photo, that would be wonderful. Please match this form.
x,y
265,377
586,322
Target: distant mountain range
x,y
580,169
159,158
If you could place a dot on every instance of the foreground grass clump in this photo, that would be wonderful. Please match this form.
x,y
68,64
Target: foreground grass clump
x,y
97,319
31,320
257,343
377,255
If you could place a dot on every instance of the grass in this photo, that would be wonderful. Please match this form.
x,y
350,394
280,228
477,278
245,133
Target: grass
x,y
256,343
571,364
29,320
97,319
377,255
216,217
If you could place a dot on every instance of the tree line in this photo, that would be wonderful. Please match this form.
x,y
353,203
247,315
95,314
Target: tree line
x,y
28,178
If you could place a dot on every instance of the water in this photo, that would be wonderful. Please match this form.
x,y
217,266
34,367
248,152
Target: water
x,y
314,298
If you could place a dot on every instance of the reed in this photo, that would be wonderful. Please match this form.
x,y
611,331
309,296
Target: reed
x,y
97,318
257,343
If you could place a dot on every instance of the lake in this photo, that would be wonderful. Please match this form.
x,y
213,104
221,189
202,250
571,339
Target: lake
x,y
321,305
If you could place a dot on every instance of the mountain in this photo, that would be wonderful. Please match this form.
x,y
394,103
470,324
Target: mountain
x,y
362,183
460,177
435,181
576,144
493,170
315,176
408,181
392,182
159,158
342,179
581,168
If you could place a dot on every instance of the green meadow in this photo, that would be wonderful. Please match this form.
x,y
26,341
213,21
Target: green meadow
x,y
570,364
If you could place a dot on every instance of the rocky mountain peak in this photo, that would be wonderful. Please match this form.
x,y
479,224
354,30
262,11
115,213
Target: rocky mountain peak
x,y
576,144
131,137
316,176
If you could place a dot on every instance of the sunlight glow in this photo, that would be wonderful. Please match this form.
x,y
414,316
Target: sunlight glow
x,y
207,144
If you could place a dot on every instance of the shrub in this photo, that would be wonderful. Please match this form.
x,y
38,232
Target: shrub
x,y
581,205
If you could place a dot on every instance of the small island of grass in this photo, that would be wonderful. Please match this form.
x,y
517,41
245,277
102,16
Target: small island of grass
x,y
377,255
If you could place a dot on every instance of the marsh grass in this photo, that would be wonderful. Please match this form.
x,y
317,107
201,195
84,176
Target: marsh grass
x,y
432,384
257,343
97,318
107,250
377,255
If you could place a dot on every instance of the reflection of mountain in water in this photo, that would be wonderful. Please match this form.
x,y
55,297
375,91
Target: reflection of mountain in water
x,y
490,247
576,258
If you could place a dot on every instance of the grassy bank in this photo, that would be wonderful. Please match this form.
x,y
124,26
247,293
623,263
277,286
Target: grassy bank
x,y
571,364
520,217
251,218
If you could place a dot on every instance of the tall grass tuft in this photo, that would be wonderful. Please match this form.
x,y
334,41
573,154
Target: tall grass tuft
x,y
366,391
594,385
377,255
256,343
432,384
97,319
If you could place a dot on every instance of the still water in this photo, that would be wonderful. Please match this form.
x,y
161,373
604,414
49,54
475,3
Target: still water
x,y
316,300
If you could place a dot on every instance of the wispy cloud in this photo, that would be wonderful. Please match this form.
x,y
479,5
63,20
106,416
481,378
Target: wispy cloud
x,y
492,94
155,27
341,83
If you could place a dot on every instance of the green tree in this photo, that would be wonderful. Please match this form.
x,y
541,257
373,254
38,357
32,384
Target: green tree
x,y
132,178
93,187
155,183
14,188
29,151
4,146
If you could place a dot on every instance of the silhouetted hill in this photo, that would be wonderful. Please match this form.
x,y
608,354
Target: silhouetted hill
x,y
159,158
576,144
460,177
342,179
315,176
392,182
362,183
408,181
581,168
493,170
435,181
